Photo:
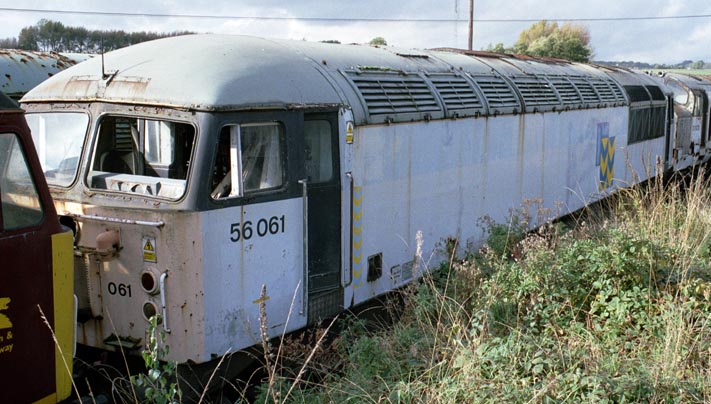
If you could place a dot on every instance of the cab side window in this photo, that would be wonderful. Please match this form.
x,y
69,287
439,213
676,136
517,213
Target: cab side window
x,y
21,206
250,158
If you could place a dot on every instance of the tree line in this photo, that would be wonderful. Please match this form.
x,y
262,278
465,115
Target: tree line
x,y
48,36
572,42
544,39
567,41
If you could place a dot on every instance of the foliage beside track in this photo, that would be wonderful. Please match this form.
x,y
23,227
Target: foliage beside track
x,y
615,307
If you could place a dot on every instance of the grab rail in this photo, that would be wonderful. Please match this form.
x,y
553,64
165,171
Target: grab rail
x,y
305,246
350,231
163,276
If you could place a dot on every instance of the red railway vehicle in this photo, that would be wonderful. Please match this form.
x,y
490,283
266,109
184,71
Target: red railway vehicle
x,y
36,274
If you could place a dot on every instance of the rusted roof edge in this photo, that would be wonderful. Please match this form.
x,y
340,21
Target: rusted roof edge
x,y
496,55
196,108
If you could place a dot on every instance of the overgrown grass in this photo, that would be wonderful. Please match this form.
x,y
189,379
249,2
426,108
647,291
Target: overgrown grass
x,y
616,308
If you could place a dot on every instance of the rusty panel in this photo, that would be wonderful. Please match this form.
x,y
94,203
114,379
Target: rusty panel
x,y
20,70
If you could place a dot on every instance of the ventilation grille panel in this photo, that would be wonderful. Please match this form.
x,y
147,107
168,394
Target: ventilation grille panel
x,y
604,90
392,93
536,91
497,92
566,90
123,138
586,90
619,93
456,92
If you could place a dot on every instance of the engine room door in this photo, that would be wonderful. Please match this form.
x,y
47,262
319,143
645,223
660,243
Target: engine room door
x,y
323,185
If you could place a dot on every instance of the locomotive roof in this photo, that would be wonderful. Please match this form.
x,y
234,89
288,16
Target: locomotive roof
x,y
22,70
381,84
691,81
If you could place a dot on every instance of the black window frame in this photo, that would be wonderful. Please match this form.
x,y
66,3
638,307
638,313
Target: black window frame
x,y
23,147
243,193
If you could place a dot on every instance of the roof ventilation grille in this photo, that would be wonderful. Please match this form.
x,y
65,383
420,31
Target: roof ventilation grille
x,y
456,92
566,90
497,92
536,91
586,90
394,93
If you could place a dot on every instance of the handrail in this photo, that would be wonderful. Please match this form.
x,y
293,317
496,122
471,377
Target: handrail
x,y
350,231
164,309
158,224
305,212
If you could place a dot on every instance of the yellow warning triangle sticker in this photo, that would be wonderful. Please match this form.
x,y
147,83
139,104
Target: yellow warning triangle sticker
x,y
148,246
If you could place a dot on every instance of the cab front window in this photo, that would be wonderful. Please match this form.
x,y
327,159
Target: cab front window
x,y
142,156
59,139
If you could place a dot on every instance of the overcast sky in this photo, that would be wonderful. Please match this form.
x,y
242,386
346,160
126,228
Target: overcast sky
x,y
654,40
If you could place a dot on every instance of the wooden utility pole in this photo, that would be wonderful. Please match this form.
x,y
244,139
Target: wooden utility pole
x,y
471,24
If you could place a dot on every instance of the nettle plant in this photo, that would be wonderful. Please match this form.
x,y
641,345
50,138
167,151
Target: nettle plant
x,y
158,383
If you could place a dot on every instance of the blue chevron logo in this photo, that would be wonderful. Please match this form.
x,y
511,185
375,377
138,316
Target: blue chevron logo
x,y
605,157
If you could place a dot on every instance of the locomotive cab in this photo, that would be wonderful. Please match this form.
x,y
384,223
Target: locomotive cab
x,y
198,217
692,110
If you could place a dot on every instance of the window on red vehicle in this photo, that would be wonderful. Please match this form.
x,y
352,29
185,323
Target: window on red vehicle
x,y
21,206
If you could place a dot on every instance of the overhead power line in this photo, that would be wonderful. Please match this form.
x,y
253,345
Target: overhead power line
x,y
349,19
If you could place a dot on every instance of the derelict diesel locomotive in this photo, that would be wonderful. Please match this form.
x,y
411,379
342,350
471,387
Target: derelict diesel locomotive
x,y
205,175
